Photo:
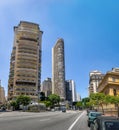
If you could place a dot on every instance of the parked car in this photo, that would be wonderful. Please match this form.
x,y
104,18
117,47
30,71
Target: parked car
x,y
3,109
88,111
105,123
92,116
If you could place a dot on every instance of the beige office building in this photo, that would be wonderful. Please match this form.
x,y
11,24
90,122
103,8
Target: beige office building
x,y
58,69
46,87
25,63
2,94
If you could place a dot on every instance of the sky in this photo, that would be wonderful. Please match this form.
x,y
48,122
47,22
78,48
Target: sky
x,y
90,29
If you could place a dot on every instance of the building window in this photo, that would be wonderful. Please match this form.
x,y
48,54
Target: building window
x,y
114,92
113,79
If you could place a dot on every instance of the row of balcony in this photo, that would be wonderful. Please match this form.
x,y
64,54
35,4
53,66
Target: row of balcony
x,y
21,55
27,52
26,67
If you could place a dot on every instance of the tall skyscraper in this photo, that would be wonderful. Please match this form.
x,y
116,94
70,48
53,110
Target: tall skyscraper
x,y
58,69
2,94
25,63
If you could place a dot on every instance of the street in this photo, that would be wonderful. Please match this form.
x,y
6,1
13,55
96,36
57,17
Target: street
x,y
71,120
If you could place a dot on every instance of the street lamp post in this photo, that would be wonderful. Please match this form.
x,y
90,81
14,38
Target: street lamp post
x,y
38,101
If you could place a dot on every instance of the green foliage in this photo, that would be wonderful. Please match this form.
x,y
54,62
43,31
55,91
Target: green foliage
x,y
89,104
79,104
48,103
114,100
100,98
23,100
54,99
108,99
14,105
86,99
85,102
97,98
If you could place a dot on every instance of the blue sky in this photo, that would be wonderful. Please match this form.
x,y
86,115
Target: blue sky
x,y
90,29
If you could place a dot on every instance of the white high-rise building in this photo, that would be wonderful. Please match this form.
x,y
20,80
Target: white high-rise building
x,y
74,99
78,97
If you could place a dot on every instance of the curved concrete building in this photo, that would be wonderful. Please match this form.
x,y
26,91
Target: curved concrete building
x,y
25,63
58,69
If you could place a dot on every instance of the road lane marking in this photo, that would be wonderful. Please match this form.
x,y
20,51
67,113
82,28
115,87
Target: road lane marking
x,y
70,128
44,119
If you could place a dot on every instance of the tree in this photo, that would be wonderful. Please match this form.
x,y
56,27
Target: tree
x,y
14,105
98,99
115,100
85,102
48,103
79,104
23,100
54,99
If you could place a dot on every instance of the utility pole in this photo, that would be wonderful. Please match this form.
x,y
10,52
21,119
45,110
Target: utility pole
x,y
38,101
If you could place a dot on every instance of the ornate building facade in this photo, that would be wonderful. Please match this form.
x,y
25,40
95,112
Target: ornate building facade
x,y
110,83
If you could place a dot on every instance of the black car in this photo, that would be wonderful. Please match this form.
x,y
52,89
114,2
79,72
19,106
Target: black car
x,y
105,123
63,109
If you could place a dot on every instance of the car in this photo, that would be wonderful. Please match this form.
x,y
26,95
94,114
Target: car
x,y
3,109
105,123
88,111
63,109
92,116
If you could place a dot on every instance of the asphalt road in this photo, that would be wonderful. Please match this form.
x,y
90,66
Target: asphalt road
x,y
71,120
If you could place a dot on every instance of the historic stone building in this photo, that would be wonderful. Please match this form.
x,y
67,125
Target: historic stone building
x,y
58,69
95,78
25,63
110,83
2,94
